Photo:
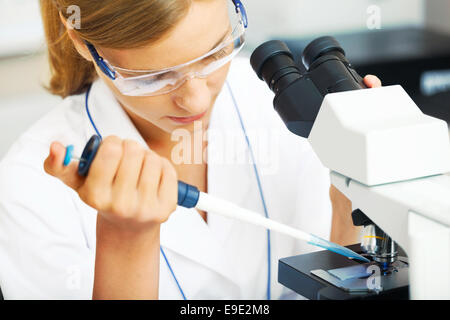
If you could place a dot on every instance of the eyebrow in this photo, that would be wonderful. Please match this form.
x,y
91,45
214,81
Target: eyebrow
x,y
213,47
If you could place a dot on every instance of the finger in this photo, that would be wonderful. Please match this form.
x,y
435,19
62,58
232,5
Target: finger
x,y
130,166
372,81
54,165
150,177
168,189
106,162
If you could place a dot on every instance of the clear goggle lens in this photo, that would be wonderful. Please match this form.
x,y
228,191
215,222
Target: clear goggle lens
x,y
147,83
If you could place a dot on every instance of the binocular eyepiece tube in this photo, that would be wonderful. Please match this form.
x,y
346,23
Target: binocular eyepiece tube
x,y
298,96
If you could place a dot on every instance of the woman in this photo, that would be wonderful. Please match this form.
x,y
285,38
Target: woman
x,y
154,78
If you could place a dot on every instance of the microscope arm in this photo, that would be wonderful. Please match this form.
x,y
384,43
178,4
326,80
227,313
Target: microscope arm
x,y
384,154
416,214
390,160
389,205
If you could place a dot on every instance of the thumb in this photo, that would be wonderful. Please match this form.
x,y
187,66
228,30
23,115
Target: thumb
x,y
372,81
54,166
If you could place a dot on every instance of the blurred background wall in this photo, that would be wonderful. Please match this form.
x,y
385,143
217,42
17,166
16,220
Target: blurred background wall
x,y
299,18
23,65
23,69
437,14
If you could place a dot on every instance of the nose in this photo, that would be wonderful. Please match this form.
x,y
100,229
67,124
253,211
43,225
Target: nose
x,y
193,96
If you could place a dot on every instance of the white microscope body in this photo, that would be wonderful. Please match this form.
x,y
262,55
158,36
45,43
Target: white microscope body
x,y
391,161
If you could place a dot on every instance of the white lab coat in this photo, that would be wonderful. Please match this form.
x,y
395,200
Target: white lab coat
x,y
47,234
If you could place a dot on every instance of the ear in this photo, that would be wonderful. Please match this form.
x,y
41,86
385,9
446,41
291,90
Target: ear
x,y
76,40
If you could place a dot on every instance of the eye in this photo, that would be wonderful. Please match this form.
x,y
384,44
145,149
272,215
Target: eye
x,y
165,75
160,76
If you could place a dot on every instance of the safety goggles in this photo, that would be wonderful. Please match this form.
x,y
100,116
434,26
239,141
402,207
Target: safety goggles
x,y
158,82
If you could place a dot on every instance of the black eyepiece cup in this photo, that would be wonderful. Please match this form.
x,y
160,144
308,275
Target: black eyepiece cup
x,y
318,48
267,51
274,63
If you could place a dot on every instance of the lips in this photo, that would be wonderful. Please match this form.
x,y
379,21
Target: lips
x,y
186,120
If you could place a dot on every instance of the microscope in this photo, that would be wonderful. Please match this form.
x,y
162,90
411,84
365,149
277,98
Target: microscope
x,y
386,156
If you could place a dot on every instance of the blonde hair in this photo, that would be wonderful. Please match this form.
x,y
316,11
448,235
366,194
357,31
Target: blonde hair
x,y
109,23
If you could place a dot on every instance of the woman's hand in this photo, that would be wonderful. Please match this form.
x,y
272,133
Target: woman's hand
x,y
134,191
372,81
130,186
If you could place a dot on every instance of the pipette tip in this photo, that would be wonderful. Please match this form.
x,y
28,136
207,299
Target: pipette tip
x,y
316,241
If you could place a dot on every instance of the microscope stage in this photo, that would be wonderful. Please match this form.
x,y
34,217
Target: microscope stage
x,y
326,275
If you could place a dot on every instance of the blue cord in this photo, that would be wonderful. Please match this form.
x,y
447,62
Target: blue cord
x,y
86,103
173,274
259,186
160,248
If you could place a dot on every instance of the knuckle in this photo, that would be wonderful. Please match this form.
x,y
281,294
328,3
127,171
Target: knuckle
x,y
112,140
131,146
169,169
153,159
111,148
92,197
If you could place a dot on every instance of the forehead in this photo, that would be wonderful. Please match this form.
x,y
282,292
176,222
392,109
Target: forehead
x,y
203,26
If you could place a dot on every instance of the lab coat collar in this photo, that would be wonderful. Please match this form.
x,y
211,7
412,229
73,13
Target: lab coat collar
x,y
108,115
185,232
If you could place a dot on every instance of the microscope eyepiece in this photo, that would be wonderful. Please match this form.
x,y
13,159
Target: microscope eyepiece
x,y
299,95
274,63
320,47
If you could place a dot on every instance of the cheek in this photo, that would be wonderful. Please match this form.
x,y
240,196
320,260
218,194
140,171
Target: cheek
x,y
217,79
149,108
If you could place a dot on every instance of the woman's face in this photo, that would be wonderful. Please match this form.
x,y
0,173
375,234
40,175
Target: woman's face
x,y
203,28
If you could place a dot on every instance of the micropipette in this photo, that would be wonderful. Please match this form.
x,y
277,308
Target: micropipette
x,y
190,197
212,204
